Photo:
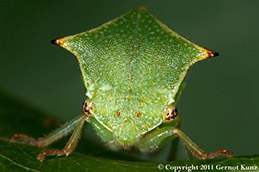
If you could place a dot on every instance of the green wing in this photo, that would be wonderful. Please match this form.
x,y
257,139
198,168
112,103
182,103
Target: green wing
x,y
134,55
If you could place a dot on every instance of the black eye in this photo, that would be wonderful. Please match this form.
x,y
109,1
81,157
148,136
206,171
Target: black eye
x,y
170,113
88,107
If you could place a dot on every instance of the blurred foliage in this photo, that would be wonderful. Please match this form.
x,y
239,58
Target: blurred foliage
x,y
219,106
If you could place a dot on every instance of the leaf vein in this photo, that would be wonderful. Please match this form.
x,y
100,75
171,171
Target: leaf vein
x,y
17,164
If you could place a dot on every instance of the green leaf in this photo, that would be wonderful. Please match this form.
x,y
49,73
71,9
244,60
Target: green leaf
x,y
19,117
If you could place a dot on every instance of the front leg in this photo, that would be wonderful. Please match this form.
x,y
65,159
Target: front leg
x,y
71,144
75,124
153,139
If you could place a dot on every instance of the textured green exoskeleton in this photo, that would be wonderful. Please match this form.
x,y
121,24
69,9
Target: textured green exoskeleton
x,y
133,68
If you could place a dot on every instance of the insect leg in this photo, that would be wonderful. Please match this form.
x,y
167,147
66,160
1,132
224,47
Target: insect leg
x,y
196,150
158,136
71,144
52,137
155,138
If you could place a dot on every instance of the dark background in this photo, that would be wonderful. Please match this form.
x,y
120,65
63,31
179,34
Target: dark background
x,y
219,105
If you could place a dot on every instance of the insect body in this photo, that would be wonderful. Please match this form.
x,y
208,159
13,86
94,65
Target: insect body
x,y
133,68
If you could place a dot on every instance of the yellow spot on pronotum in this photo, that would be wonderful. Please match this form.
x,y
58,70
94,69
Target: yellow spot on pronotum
x,y
60,42
206,54
143,8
